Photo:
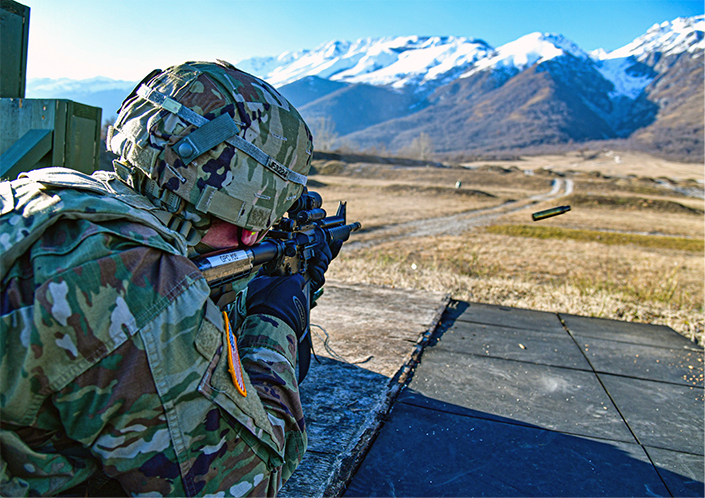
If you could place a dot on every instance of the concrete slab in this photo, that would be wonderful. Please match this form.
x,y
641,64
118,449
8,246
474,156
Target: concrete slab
x,y
615,330
481,417
683,365
554,348
373,326
505,402
341,403
682,473
660,415
423,452
344,397
560,399
366,340
503,316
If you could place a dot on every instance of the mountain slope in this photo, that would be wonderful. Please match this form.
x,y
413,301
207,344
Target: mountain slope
x,y
529,109
308,89
650,92
359,106
678,93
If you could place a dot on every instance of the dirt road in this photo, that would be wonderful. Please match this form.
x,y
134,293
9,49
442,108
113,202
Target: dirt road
x,y
456,223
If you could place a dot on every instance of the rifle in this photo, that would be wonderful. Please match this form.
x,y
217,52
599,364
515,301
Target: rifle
x,y
286,250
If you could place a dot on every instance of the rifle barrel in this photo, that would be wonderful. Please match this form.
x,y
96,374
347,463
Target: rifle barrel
x,y
343,232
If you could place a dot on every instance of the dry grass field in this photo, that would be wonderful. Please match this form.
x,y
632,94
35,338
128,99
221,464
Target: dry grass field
x,y
610,163
631,248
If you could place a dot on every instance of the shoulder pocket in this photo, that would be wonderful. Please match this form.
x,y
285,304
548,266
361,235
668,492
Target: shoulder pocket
x,y
217,385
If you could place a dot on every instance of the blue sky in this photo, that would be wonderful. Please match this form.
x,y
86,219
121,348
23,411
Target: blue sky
x,y
126,39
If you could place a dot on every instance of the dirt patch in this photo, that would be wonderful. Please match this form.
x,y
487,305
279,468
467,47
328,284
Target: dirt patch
x,y
327,167
612,163
485,178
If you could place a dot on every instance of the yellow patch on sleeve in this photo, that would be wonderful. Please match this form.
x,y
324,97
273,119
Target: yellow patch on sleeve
x,y
234,365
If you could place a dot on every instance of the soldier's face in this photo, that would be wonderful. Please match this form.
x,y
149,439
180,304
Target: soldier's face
x,y
222,235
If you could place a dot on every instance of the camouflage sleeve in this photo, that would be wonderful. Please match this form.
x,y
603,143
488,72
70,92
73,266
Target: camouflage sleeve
x,y
268,349
160,412
163,418
114,357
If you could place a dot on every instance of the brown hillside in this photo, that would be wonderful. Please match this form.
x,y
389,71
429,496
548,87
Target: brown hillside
x,y
680,94
530,109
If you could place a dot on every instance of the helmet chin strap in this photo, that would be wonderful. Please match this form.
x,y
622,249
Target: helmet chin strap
x,y
200,249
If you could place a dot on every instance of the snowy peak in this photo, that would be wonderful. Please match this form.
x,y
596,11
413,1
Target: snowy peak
x,y
527,51
628,78
395,61
684,34
623,66
412,60
423,63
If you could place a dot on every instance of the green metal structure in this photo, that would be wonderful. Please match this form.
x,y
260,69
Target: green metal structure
x,y
35,133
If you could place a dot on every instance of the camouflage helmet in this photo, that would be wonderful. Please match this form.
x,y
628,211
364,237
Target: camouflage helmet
x,y
221,140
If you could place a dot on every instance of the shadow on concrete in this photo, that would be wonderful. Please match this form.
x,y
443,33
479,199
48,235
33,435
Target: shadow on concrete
x,y
506,402
431,448
367,338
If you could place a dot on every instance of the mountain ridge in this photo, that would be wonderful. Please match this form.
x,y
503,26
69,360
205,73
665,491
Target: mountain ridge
x,y
628,94
386,92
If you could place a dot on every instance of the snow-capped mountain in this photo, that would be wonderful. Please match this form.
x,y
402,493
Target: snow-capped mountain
x,y
397,62
541,88
526,51
684,34
413,61
667,39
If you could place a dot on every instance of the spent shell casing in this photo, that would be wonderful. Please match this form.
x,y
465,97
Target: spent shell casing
x,y
542,215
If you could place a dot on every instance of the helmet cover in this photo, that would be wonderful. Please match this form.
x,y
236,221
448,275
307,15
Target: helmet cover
x,y
224,141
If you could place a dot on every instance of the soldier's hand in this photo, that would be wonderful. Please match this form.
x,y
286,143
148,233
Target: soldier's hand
x,y
280,297
318,265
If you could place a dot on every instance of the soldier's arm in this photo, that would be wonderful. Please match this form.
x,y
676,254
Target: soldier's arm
x,y
268,349
160,416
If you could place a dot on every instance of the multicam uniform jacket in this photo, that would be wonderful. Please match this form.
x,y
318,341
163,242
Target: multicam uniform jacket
x,y
113,357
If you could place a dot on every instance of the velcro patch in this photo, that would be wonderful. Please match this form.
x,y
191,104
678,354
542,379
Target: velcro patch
x,y
258,218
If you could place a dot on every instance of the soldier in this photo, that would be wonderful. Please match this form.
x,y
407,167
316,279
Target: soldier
x,y
119,374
